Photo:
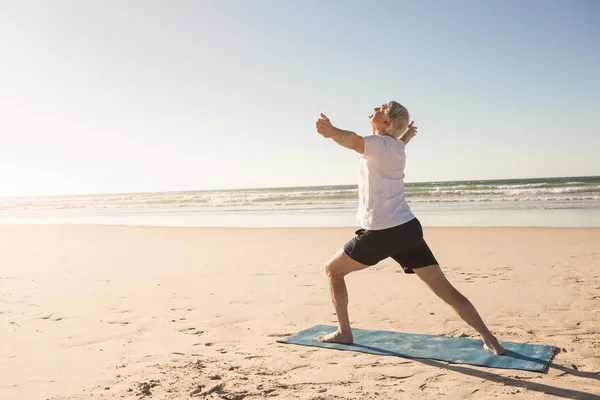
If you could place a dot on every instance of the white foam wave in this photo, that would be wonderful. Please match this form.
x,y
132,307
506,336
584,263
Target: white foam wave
x,y
307,197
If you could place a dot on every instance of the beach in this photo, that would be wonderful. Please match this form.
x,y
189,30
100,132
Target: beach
x,y
112,312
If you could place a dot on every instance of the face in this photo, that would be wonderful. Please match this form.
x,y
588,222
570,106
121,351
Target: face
x,y
378,120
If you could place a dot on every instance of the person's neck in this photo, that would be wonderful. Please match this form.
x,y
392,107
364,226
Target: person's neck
x,y
382,133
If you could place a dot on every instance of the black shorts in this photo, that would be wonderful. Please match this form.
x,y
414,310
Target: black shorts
x,y
404,243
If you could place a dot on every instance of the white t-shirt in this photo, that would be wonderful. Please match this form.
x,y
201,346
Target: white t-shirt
x,y
381,195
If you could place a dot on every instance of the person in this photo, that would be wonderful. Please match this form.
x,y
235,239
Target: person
x,y
388,226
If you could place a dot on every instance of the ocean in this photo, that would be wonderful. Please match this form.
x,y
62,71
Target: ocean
x,y
543,202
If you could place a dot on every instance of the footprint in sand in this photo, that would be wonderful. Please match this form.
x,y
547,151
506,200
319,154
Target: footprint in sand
x,y
191,331
253,357
118,311
278,335
182,309
51,318
118,322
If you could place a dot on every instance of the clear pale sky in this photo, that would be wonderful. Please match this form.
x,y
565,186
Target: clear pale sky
x,y
124,96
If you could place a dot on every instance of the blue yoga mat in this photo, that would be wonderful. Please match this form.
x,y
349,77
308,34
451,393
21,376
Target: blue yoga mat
x,y
528,357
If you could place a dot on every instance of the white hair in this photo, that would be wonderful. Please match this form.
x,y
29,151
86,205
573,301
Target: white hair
x,y
398,116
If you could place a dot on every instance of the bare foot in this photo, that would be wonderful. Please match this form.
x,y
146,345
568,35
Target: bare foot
x,y
338,337
493,345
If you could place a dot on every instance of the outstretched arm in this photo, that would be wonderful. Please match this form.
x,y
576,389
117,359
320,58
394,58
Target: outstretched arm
x,y
347,139
410,133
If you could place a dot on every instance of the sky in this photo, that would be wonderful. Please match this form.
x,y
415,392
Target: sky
x,y
129,96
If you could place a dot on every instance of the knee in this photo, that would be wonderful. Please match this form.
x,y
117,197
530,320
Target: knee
x,y
332,270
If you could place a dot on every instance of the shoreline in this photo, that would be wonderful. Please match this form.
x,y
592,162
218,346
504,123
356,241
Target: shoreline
x,y
588,218
290,228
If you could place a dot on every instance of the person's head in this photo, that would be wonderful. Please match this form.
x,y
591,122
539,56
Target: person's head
x,y
390,118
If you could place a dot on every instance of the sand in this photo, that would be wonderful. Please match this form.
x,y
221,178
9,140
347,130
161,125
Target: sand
x,y
109,312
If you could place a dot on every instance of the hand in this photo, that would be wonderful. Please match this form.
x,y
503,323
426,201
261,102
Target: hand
x,y
324,127
411,131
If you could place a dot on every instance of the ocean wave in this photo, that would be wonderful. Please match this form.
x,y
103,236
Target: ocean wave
x,y
553,190
502,199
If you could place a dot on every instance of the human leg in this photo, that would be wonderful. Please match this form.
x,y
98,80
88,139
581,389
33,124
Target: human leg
x,y
435,279
336,269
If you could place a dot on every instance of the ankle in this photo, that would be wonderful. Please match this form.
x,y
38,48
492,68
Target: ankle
x,y
489,338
